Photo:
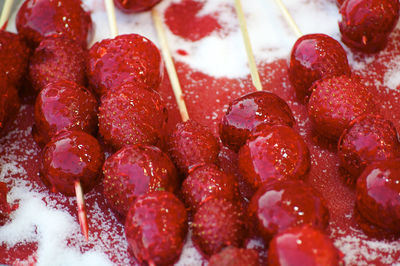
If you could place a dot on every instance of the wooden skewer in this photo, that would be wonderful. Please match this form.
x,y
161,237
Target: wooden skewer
x,y
252,63
81,209
289,18
5,13
111,17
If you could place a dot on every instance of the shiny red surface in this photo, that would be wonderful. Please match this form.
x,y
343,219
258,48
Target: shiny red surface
x,y
133,6
9,101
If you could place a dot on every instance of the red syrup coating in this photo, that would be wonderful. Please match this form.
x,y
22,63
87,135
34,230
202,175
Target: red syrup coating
x,y
303,245
134,6
378,194
368,138
132,115
275,153
248,112
126,58
37,19
232,256
135,170
71,156
335,102
278,205
63,105
315,56
4,206
57,58
156,228
366,24
9,101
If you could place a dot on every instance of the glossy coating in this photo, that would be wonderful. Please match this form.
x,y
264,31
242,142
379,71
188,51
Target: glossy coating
x,y
303,245
4,207
55,59
131,115
366,24
276,152
37,19
278,205
135,170
315,56
126,58
9,101
71,156
368,138
63,105
232,256
250,111
378,194
133,6
156,228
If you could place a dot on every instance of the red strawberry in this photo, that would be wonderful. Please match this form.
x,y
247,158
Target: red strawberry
x,y
57,58
335,102
135,170
303,245
132,115
191,145
279,205
126,58
249,111
64,105
277,152
366,24
156,228
232,256
9,101
208,181
378,194
218,223
368,138
4,207
133,6
37,19
315,56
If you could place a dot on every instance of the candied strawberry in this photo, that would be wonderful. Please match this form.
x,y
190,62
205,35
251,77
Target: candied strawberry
x,y
232,256
132,115
57,58
315,56
126,58
63,105
276,152
71,156
368,138
9,101
278,205
14,57
156,228
366,24
335,102
303,245
37,19
378,194
218,223
133,6
208,181
135,170
191,145
250,111
339,2
4,207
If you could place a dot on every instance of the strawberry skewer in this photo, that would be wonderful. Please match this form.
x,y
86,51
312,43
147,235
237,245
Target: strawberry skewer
x,y
5,13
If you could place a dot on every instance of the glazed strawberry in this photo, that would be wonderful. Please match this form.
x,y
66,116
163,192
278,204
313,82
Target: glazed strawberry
x,y
126,58
57,58
156,228
250,111
303,245
135,170
63,105
368,138
278,205
335,102
232,256
191,145
378,194
277,152
132,115
218,223
71,156
366,24
208,181
4,207
14,57
9,101
37,19
315,56
133,6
